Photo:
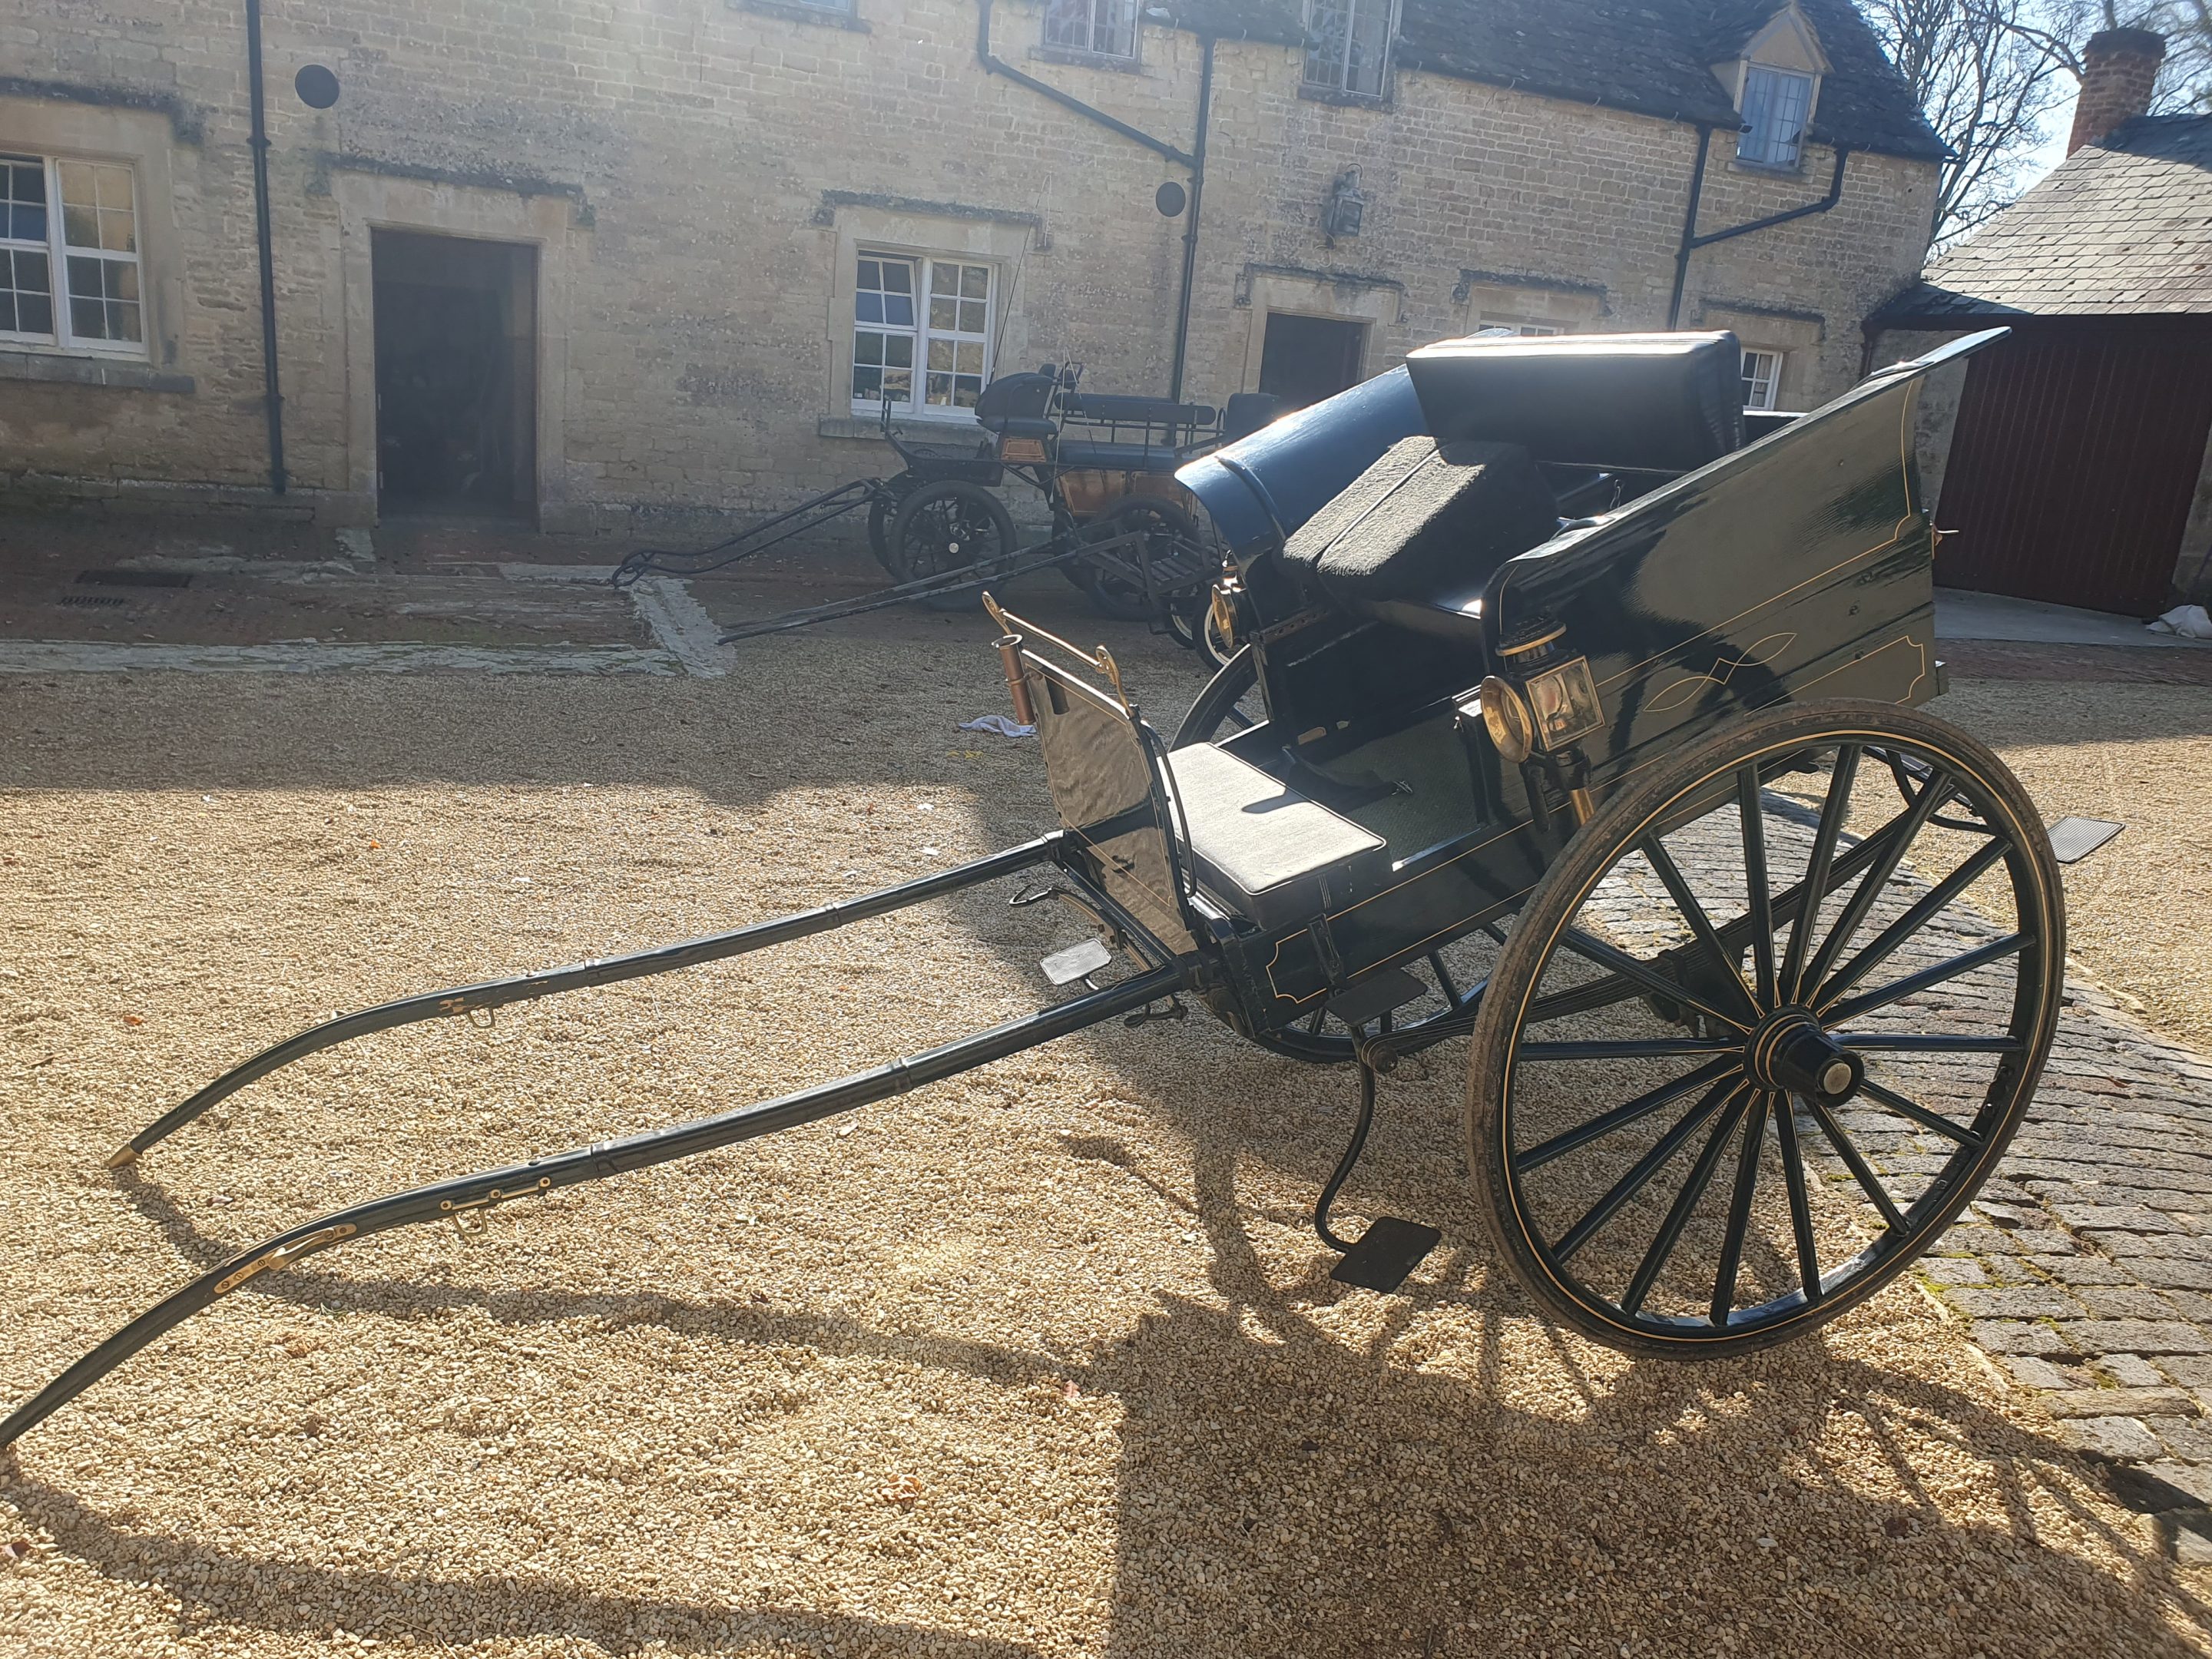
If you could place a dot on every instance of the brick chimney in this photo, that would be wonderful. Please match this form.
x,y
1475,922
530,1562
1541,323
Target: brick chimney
x,y
2118,69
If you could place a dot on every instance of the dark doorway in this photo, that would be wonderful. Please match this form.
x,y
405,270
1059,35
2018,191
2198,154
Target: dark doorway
x,y
456,375
1303,359
2075,458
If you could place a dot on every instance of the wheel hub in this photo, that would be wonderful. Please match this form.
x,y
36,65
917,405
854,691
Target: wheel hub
x,y
1789,1050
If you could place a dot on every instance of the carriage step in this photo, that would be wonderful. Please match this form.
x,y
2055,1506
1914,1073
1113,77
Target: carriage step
x,y
1390,1249
1392,988
1076,962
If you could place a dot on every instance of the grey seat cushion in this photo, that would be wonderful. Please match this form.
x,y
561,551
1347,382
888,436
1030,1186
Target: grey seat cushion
x,y
1423,522
1260,848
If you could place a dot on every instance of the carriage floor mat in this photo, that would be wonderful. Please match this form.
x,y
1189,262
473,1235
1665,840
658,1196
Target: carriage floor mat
x,y
1390,1249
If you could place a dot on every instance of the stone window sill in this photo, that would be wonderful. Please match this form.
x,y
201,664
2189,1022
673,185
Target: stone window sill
x,y
1767,169
59,369
795,11
870,426
1345,100
1082,59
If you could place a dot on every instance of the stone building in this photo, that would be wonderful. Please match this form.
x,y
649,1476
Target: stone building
x,y
607,263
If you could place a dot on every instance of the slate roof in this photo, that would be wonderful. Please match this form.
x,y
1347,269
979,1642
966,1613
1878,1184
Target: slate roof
x,y
1649,56
2121,227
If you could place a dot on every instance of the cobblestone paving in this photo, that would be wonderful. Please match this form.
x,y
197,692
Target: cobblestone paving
x,y
2084,1266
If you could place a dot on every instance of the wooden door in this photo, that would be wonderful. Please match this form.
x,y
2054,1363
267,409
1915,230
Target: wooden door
x,y
2076,457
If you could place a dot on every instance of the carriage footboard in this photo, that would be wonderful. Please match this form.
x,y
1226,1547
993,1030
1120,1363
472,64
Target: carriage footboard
x,y
466,1201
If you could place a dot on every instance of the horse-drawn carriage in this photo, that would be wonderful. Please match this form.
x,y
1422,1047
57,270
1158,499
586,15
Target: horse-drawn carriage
x,y
1122,529
1564,714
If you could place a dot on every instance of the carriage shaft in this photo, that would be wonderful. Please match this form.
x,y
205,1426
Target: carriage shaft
x,y
466,1199
603,970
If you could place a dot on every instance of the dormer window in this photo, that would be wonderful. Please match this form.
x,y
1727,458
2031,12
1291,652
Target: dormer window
x,y
1348,46
1773,76
1775,103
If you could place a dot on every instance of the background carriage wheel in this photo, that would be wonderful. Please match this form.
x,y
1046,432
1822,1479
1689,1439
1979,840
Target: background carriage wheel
x,y
882,509
946,527
1168,531
1701,1120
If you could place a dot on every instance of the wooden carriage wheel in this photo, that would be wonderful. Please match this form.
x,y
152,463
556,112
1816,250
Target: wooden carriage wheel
x,y
1702,1116
947,526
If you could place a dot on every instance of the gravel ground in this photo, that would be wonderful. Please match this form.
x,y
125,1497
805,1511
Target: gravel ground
x,y
1040,1360
2141,755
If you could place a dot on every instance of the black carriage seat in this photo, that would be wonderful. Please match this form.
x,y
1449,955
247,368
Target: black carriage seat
x,y
1017,400
1262,849
1658,403
1425,524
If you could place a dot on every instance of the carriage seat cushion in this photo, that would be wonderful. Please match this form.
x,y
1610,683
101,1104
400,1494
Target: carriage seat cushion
x,y
1262,848
1425,520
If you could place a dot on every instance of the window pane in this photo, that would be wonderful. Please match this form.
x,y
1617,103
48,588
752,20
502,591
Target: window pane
x,y
25,304
867,348
871,274
898,350
968,358
867,307
943,311
966,389
867,383
899,308
22,199
973,317
1067,23
940,354
974,282
943,279
940,390
1369,46
899,382
103,299
898,277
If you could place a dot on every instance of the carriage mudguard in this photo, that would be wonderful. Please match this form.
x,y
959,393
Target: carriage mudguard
x,y
1800,566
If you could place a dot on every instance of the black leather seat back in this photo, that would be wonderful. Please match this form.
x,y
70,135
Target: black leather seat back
x,y
1013,397
1669,403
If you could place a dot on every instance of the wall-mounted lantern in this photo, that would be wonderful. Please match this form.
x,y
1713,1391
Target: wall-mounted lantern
x,y
1340,215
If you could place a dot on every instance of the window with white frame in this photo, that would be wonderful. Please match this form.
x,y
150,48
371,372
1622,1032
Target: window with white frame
x,y
1762,379
1107,27
1348,46
69,255
921,334
1775,105
1517,325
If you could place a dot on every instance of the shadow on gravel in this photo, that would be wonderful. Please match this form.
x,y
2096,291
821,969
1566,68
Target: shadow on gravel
x,y
1282,1489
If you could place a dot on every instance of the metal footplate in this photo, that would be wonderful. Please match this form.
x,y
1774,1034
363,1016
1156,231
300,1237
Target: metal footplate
x,y
1390,1249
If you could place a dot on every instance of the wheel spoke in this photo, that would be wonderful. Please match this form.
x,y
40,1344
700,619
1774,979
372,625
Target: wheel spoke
x,y
1628,967
1870,885
1621,1117
1801,1212
1840,779
1884,945
1919,1113
1701,925
1677,1216
1752,813
1897,989
1640,1177
1870,1183
1747,1183
1648,1048
1444,978
1902,1043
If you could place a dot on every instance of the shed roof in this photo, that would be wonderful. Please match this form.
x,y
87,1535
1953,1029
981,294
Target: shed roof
x,y
2122,227
1649,57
